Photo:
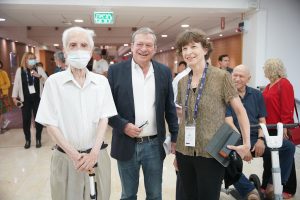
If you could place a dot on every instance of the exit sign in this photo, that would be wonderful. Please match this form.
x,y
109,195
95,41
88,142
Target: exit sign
x,y
103,17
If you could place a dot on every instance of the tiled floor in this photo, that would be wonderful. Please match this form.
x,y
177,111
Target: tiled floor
x,y
24,174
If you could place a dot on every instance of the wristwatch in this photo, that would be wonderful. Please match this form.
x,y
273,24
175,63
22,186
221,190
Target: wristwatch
x,y
261,138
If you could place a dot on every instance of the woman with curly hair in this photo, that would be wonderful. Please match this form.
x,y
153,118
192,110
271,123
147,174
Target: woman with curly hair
x,y
279,100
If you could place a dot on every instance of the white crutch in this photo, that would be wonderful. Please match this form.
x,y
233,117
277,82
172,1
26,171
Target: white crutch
x,y
274,143
93,184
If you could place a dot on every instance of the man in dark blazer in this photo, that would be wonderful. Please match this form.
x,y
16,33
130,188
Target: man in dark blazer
x,y
143,94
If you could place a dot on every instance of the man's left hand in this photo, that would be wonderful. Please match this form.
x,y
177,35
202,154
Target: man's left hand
x,y
259,148
285,134
87,162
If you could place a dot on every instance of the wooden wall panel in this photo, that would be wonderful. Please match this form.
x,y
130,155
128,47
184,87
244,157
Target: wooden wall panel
x,y
46,57
232,46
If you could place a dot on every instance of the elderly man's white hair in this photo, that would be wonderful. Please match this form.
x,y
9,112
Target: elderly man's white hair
x,y
89,33
243,68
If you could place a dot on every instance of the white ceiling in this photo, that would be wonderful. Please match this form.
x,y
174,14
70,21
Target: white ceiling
x,y
164,17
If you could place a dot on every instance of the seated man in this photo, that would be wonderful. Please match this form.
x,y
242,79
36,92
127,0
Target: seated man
x,y
253,102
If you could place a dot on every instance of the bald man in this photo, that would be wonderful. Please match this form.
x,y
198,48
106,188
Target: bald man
x,y
253,102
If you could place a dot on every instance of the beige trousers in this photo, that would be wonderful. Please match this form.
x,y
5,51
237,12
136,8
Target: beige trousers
x,y
68,184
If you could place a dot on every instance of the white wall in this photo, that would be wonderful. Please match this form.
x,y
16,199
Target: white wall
x,y
274,32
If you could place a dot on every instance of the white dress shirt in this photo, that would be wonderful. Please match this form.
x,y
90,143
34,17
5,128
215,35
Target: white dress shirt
x,y
76,110
100,66
144,99
176,81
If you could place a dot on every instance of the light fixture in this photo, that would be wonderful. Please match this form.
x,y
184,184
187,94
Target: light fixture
x,y
185,25
2,19
160,50
172,47
78,20
221,35
125,45
208,38
16,41
164,36
56,45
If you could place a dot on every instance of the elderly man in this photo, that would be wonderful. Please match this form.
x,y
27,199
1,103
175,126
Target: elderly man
x,y
59,59
75,107
100,66
253,102
142,90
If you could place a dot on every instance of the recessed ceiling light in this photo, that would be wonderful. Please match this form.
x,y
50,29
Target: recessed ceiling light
x,y
16,41
221,35
160,50
185,25
78,20
2,19
67,23
125,45
208,38
56,45
172,47
164,35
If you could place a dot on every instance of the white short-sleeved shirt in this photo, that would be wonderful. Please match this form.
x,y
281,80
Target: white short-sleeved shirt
x,y
74,110
100,66
176,80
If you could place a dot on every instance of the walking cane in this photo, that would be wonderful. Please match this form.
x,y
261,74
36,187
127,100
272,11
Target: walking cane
x,y
93,184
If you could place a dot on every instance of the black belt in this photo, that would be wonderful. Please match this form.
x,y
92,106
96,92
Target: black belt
x,y
103,146
145,139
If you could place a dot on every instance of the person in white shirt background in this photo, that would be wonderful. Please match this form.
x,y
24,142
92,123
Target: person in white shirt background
x,y
100,66
75,108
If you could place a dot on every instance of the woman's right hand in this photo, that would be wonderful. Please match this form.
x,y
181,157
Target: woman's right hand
x,y
242,150
15,101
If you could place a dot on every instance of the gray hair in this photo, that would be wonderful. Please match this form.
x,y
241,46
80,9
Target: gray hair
x,y
89,33
144,30
97,51
59,56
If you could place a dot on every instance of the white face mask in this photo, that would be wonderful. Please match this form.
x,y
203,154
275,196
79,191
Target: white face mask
x,y
31,62
78,59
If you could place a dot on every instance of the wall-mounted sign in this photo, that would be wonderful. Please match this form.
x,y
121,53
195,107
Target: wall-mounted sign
x,y
103,17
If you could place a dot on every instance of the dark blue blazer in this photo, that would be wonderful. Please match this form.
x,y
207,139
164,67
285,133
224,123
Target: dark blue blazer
x,y
120,80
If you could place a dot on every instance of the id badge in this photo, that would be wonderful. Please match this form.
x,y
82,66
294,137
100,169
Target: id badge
x,y
190,136
31,89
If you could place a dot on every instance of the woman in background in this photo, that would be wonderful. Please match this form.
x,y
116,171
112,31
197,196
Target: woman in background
x,y
279,100
27,90
4,98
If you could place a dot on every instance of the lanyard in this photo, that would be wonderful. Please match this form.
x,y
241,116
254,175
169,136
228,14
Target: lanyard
x,y
202,83
27,77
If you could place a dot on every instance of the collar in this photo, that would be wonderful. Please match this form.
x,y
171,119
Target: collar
x,y
69,77
136,66
248,91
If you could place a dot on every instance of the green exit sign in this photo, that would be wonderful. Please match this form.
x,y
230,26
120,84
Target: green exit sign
x,y
103,17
